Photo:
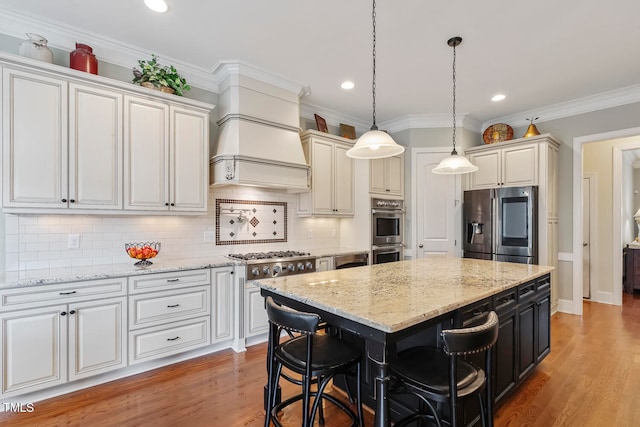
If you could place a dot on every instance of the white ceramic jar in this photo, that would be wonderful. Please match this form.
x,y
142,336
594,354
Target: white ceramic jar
x,y
36,47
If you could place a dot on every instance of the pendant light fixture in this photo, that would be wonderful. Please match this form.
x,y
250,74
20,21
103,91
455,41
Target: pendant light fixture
x,y
374,144
455,163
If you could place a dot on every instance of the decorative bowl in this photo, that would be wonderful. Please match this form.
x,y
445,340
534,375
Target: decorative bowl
x,y
142,252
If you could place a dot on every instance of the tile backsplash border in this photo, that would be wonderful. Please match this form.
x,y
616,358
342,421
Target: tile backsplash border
x,y
280,214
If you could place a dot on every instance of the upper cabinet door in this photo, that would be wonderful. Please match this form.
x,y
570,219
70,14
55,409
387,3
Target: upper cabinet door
x,y
520,165
343,179
488,174
189,160
95,148
34,140
322,168
146,154
395,175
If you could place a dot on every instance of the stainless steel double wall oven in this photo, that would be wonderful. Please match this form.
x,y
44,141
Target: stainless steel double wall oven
x,y
387,230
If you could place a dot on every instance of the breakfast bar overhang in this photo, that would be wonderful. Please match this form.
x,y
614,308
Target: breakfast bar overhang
x,y
384,304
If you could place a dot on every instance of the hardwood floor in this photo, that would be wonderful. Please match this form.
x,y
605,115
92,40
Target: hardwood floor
x,y
591,378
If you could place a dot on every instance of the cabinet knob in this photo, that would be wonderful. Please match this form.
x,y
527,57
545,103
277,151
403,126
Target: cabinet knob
x,y
64,313
421,246
64,200
72,201
166,204
173,204
72,312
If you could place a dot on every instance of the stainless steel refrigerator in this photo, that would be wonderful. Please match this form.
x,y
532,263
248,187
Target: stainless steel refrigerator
x,y
501,224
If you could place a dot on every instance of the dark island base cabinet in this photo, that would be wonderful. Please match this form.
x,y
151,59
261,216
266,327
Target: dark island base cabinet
x,y
523,342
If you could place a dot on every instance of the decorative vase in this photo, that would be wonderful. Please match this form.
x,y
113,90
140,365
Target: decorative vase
x,y
35,47
83,59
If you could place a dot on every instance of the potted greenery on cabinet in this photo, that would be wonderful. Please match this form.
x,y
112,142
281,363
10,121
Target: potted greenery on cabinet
x,y
155,76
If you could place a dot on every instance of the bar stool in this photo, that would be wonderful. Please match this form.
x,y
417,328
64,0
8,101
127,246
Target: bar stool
x,y
440,375
317,358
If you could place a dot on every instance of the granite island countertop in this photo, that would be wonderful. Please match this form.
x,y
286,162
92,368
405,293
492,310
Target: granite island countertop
x,y
393,296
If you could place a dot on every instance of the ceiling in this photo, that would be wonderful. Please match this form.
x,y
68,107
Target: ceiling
x,y
539,54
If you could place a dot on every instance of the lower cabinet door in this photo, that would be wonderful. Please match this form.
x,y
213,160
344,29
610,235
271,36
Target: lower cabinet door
x,y
505,352
527,329
543,308
256,319
34,349
97,337
222,304
176,337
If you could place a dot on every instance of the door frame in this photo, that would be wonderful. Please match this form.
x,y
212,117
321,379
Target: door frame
x,y
593,235
616,226
457,228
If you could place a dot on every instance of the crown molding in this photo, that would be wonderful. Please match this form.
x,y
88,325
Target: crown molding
x,y
227,68
430,121
113,51
587,104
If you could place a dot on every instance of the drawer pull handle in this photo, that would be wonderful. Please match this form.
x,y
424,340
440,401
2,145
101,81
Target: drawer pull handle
x,y
173,339
173,280
173,306
506,300
477,313
68,293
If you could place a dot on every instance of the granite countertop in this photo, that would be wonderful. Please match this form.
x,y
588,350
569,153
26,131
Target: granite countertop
x,y
393,296
13,279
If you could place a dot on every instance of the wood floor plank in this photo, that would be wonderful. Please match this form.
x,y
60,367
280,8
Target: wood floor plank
x,y
590,378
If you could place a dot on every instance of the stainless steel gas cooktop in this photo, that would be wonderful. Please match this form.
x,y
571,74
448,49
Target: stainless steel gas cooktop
x,y
276,263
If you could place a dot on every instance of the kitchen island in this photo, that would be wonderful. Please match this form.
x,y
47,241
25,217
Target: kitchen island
x,y
387,307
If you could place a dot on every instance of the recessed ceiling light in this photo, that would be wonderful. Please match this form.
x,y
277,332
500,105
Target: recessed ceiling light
x,y
498,97
159,6
347,85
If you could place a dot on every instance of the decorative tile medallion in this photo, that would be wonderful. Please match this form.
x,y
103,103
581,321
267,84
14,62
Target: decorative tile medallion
x,y
250,221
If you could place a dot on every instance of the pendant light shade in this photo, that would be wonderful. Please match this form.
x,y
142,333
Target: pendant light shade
x,y
454,164
374,144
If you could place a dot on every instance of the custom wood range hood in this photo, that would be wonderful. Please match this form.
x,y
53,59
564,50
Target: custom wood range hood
x,y
259,133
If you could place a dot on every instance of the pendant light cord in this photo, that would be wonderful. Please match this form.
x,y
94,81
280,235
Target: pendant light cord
x,y
454,100
373,84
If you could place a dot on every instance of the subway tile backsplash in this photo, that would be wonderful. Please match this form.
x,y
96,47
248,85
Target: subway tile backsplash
x,y
41,241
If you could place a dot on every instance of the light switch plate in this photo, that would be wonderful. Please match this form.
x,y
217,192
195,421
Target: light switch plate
x,y
209,236
73,241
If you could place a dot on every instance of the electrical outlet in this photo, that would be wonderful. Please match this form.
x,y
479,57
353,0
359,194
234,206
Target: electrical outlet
x,y
333,232
73,241
209,236
310,233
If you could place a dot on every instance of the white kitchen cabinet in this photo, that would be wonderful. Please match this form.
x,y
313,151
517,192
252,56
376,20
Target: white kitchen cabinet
x,y
34,140
256,320
504,166
169,313
223,304
386,176
95,148
34,349
166,157
77,331
88,144
332,179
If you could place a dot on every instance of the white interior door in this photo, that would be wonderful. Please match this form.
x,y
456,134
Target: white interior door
x,y
586,237
435,198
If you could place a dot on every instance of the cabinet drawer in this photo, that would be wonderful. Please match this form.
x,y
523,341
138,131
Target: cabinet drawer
x,y
526,291
474,313
505,301
161,307
544,284
160,281
38,296
159,341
